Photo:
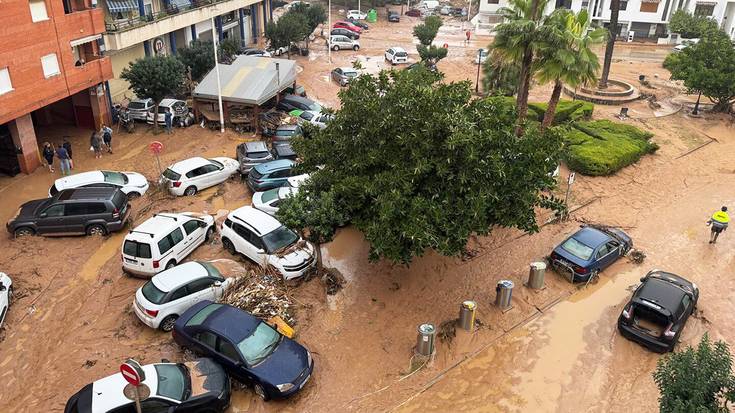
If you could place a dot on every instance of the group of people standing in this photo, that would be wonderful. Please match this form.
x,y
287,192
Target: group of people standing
x,y
99,140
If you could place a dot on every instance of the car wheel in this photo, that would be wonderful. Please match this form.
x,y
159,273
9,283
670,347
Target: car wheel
x,y
171,264
229,246
133,195
209,234
96,229
355,47
168,323
260,391
10,296
190,191
23,232
335,48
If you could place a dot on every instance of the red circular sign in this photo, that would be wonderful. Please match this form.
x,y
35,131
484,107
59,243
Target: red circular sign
x,y
130,374
446,45
156,147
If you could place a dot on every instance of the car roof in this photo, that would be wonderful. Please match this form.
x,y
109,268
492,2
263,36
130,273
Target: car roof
x,y
397,49
257,146
79,179
231,323
179,275
259,220
662,292
146,100
107,393
159,225
347,69
591,237
85,194
271,166
287,127
168,102
187,165
297,98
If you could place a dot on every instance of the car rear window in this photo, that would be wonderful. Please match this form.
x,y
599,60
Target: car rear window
x,y
152,293
137,249
270,195
169,174
649,319
136,105
285,132
577,249
120,200
255,174
401,54
202,315
257,155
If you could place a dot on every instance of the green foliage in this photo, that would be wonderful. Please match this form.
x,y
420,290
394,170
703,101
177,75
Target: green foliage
x,y
228,49
707,67
566,110
696,380
426,31
417,164
199,57
155,77
602,147
431,54
315,14
500,77
290,28
689,26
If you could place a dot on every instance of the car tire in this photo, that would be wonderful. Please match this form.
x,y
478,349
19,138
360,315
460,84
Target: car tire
x,y
229,246
260,391
167,324
355,47
335,48
209,233
10,296
170,264
23,232
190,191
96,229
133,195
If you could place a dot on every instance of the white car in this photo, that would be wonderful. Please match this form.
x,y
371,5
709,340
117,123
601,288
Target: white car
x,y
339,42
263,239
139,108
317,119
356,15
396,55
194,174
163,241
6,296
296,181
270,200
160,301
481,56
132,184
178,109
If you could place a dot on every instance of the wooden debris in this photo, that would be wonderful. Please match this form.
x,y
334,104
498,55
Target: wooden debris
x,y
263,295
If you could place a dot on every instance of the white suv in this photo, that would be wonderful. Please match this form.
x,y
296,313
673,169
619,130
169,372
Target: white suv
x,y
338,41
163,241
194,174
160,301
396,55
266,241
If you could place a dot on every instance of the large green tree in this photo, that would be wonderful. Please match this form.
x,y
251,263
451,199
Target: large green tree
x,y
418,164
290,28
155,77
611,37
315,15
707,68
696,380
689,26
426,33
199,56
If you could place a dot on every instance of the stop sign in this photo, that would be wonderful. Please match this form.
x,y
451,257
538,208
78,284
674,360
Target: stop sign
x,y
156,147
132,372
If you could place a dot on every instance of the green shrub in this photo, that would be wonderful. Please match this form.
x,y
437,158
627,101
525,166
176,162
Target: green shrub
x,y
566,110
603,147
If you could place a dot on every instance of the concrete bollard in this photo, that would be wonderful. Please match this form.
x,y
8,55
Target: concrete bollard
x,y
467,315
536,275
425,339
504,293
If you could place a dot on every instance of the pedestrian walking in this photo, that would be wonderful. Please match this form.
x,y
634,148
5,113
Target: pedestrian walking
x,y
95,142
106,133
468,34
67,145
168,118
719,222
48,155
63,160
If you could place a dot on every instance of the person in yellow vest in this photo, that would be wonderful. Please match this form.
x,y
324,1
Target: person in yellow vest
x,y
719,222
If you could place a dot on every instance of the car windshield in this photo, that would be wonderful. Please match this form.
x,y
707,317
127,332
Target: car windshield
x,y
136,105
152,293
258,346
307,115
218,164
349,73
115,177
315,107
280,238
285,132
169,174
269,195
211,270
401,54
172,381
577,249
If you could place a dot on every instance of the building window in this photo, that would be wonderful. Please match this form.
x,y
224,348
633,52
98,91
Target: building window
x,y
5,85
38,10
623,5
649,7
50,65
704,9
493,1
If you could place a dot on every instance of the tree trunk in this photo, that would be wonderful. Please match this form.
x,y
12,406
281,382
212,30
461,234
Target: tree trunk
x,y
551,109
696,105
612,33
525,78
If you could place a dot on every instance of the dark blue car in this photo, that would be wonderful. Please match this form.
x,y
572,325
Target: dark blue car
x,y
249,349
589,251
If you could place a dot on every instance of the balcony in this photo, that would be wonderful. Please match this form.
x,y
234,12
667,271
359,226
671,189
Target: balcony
x,y
125,33
83,23
88,75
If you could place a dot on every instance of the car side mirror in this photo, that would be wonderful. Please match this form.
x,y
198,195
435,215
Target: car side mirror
x,y
43,215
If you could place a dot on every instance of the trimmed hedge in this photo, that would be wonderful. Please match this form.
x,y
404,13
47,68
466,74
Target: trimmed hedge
x,y
602,147
566,111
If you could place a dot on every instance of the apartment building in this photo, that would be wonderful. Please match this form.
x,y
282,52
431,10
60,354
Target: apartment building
x,y
52,71
646,19
139,28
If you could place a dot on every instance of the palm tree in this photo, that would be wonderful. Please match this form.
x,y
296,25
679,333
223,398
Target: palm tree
x,y
614,12
564,56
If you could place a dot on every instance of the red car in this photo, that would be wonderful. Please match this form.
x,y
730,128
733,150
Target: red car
x,y
347,25
413,13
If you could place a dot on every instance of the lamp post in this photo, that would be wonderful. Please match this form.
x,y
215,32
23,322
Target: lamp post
x,y
329,31
219,84
479,63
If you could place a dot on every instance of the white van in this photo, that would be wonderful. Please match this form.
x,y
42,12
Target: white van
x,y
428,5
163,241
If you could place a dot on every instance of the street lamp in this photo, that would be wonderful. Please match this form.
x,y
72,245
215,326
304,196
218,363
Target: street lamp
x,y
479,63
215,38
329,31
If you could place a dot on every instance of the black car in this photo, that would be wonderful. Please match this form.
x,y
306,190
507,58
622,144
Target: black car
x,y
287,103
91,211
344,32
393,16
284,150
199,386
658,310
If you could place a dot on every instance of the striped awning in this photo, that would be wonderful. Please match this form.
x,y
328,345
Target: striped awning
x,y
118,6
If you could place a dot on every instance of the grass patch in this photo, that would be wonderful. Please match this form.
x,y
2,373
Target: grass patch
x,y
566,111
603,147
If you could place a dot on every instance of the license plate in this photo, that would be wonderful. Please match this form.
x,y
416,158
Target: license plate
x,y
131,261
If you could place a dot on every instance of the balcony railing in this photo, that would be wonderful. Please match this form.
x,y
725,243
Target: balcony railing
x,y
171,10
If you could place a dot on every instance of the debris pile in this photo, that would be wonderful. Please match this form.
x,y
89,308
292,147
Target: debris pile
x,y
637,256
333,280
448,330
263,295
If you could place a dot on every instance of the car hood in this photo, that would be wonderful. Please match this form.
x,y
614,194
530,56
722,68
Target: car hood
x,y
28,210
285,364
229,163
136,179
570,257
206,376
295,255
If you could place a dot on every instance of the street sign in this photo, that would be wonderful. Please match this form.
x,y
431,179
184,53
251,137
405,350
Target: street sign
x,y
156,147
132,372
571,178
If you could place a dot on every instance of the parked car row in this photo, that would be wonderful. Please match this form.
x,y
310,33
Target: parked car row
x,y
142,110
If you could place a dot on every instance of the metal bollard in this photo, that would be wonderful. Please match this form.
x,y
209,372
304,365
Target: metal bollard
x,y
467,315
536,275
425,339
504,292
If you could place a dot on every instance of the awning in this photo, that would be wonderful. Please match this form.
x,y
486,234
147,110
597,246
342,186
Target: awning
x,y
83,40
117,6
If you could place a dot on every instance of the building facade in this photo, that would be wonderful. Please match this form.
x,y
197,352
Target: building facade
x,y
139,28
645,19
52,71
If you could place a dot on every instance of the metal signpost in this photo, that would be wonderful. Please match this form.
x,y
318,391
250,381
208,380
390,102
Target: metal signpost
x,y
570,181
157,147
133,373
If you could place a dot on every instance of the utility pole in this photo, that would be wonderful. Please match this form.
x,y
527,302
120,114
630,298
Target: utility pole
x,y
215,38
